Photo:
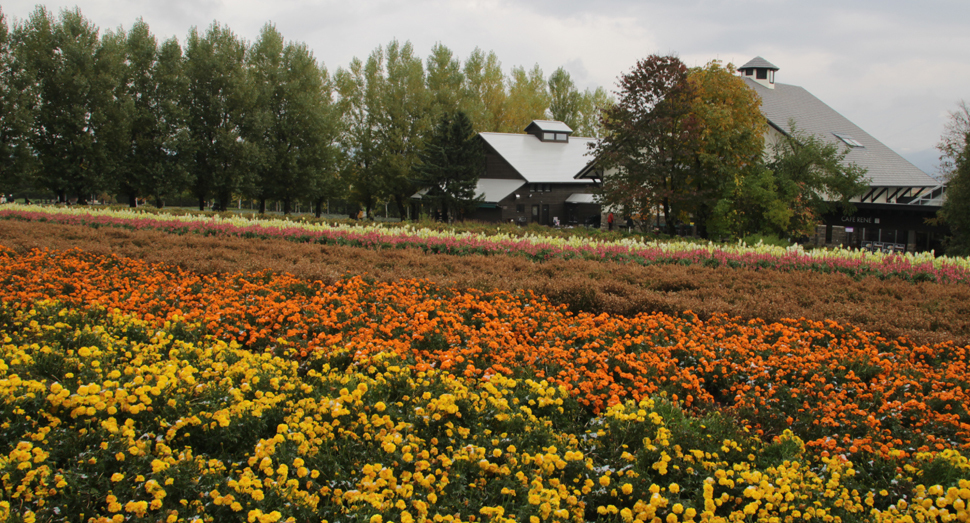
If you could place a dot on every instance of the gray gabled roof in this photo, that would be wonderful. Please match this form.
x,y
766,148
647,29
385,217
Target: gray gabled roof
x,y
542,162
758,63
492,190
495,190
884,167
549,126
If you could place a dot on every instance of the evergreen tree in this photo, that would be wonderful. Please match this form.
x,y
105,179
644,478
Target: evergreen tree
x,y
451,163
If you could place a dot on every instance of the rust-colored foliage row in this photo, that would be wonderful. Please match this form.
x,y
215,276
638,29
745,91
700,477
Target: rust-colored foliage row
x,y
923,312
838,388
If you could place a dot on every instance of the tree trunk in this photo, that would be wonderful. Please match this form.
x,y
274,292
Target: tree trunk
x,y
262,206
132,198
668,222
287,206
159,202
401,209
318,207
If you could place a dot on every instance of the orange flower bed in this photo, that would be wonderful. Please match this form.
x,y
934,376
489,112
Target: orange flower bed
x,y
839,389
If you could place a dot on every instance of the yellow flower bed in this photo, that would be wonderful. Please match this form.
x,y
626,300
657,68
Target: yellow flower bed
x,y
105,417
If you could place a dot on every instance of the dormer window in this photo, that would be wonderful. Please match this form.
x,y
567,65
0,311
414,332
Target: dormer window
x,y
549,131
555,137
848,140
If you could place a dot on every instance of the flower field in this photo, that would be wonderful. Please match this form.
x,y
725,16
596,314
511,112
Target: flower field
x,y
131,391
909,266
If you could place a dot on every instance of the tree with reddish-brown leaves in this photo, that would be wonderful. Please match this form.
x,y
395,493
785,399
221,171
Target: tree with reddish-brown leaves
x,y
650,139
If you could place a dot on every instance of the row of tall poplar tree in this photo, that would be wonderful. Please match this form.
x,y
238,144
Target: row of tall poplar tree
x,y
85,112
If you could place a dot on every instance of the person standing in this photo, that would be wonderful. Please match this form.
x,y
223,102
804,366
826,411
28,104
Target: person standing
x,y
609,221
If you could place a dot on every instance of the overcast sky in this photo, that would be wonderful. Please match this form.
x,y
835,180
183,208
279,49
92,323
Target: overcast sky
x,y
895,68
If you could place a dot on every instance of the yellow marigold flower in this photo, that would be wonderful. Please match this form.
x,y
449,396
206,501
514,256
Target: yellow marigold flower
x,y
627,489
116,477
604,481
376,518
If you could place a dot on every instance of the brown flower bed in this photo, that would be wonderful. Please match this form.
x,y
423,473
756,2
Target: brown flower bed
x,y
923,312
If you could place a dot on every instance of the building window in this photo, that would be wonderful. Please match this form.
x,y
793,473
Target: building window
x,y
561,137
520,207
546,188
850,141
762,74
548,137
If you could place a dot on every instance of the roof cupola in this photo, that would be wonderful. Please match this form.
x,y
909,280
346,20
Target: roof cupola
x,y
759,70
549,131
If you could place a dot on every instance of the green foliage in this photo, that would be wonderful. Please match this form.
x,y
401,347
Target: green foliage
x,y
651,135
730,141
580,111
151,117
14,114
955,212
73,77
218,100
450,166
811,178
564,98
291,128
119,114
444,80
766,239
527,100
484,93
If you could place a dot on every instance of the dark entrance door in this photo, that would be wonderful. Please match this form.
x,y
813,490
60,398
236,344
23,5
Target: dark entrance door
x,y
535,213
545,215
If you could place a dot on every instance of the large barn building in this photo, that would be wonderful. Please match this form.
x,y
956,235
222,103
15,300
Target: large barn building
x,y
892,213
530,178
